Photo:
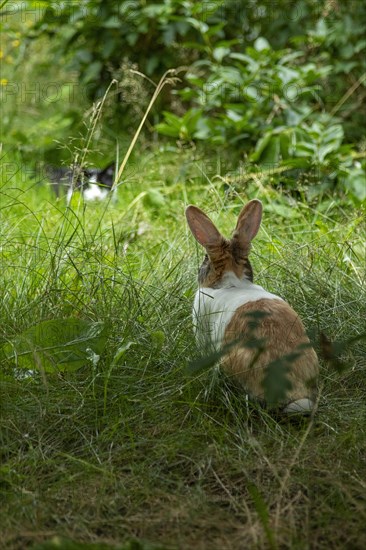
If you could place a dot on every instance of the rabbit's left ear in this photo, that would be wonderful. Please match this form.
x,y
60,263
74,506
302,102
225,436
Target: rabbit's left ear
x,y
249,221
203,229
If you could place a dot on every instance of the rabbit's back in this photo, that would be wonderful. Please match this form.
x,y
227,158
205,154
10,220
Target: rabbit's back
x,y
214,308
265,332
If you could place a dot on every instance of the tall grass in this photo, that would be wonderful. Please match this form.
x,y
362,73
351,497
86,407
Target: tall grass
x,y
130,446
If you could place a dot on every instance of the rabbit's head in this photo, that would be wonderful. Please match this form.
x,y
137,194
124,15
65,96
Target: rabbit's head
x,y
225,256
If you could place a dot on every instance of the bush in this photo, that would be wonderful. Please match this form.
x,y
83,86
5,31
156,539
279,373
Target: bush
x,y
276,83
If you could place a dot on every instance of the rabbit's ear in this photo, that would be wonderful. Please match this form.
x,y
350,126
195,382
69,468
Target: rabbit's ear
x,y
202,227
249,221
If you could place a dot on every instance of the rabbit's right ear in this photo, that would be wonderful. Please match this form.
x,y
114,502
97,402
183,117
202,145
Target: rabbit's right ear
x,y
202,227
249,221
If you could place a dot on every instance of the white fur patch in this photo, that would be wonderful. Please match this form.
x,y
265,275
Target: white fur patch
x,y
214,308
91,193
303,406
95,192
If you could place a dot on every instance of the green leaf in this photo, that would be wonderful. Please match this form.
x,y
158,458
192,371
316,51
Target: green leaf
x,y
57,345
296,162
201,26
84,56
276,383
261,145
111,23
92,72
261,44
245,59
324,150
355,184
191,119
333,134
285,145
271,154
305,150
121,352
204,363
167,130
220,53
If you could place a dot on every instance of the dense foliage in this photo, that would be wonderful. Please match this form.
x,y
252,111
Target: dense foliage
x,y
278,84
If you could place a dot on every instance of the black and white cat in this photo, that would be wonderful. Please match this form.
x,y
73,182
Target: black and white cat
x,y
94,183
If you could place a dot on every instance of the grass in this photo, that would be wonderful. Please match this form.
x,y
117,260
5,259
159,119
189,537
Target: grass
x,y
130,451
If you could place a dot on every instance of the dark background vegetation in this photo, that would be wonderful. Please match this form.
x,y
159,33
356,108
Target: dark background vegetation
x,y
272,84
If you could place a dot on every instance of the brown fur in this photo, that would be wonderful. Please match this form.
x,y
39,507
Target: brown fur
x,y
282,333
224,257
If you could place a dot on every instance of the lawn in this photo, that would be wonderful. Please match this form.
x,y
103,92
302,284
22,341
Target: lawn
x,y
122,445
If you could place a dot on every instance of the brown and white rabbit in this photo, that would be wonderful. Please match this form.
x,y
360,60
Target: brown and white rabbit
x,y
230,310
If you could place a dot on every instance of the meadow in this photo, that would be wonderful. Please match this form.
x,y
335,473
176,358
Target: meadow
x,y
119,443
115,432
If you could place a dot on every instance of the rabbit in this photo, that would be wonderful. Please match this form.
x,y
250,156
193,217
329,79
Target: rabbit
x,y
229,307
